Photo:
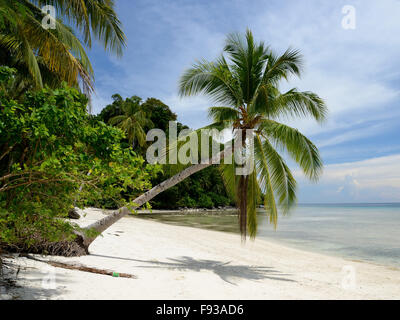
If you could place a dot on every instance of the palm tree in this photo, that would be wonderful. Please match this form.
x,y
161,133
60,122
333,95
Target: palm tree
x,y
244,82
46,56
133,121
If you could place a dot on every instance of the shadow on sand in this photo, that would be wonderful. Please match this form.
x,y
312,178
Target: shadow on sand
x,y
14,285
225,270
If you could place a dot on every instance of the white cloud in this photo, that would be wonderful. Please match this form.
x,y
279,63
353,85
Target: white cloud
x,y
192,110
350,69
352,135
371,173
372,180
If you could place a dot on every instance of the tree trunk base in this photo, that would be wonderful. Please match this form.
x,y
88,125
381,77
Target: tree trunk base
x,y
76,248
81,246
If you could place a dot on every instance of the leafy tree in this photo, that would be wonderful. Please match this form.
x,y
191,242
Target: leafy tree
x,y
153,114
48,144
160,113
112,110
245,83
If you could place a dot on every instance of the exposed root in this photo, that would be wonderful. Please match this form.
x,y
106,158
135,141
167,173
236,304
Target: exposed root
x,y
82,268
63,248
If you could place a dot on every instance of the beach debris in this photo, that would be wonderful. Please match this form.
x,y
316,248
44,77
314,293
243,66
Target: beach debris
x,y
83,268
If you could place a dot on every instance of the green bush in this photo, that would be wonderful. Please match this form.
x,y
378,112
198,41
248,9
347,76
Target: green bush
x,y
186,201
205,202
219,200
54,155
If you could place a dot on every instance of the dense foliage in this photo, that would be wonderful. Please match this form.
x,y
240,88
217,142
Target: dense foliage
x,y
203,190
54,155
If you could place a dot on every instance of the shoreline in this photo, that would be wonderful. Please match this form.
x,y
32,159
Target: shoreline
x,y
178,262
231,211
227,210
185,211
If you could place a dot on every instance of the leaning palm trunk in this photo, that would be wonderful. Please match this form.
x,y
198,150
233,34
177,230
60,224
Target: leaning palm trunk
x,y
103,224
245,86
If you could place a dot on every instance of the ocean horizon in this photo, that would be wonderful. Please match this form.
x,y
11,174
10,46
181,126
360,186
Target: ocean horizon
x,y
353,204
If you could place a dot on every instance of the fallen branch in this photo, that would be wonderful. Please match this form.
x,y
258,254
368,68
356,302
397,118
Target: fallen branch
x,y
82,268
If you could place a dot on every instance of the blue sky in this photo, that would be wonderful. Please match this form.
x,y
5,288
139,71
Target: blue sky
x,y
356,71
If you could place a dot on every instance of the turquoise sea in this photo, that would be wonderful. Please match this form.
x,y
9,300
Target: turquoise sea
x,y
368,232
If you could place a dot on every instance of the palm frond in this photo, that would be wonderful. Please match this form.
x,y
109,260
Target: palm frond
x,y
253,199
117,119
248,61
281,67
221,114
294,103
60,50
281,177
213,79
264,180
93,16
299,147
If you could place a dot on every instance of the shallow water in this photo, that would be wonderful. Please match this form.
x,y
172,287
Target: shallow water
x,y
369,232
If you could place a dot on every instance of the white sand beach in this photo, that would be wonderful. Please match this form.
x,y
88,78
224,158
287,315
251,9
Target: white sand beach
x,y
173,262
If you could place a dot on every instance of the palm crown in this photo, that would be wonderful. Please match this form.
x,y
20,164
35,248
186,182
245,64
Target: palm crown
x,y
244,81
50,56
133,120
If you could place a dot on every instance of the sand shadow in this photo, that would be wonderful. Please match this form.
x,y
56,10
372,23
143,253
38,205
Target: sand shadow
x,y
225,270
14,285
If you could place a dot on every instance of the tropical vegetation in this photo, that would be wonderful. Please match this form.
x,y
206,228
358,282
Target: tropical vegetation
x,y
50,148
46,56
54,156
244,83
204,189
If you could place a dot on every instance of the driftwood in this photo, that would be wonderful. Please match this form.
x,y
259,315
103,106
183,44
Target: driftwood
x,y
83,268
